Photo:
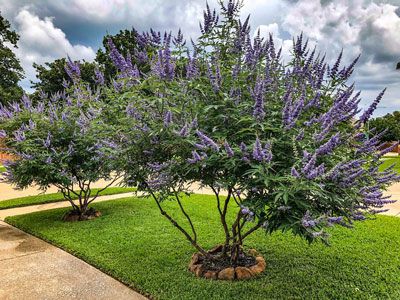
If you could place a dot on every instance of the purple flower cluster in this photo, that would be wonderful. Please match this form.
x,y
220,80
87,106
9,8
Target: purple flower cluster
x,y
308,222
184,132
310,168
99,77
163,64
167,118
210,20
124,65
206,141
258,95
368,113
19,135
260,153
73,70
228,149
196,157
328,147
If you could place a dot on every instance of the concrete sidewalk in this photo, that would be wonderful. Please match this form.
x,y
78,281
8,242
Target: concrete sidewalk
x,y
33,269
39,207
8,191
394,208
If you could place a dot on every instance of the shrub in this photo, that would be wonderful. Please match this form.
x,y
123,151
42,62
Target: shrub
x,y
281,139
61,141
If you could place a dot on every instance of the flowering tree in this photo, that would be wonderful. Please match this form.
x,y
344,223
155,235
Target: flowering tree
x,y
278,143
61,141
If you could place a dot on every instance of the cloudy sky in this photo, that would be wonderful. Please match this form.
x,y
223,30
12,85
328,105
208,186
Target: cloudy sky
x,y
52,29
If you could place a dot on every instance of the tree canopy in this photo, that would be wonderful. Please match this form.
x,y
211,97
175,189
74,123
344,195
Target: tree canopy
x,y
389,123
10,67
53,77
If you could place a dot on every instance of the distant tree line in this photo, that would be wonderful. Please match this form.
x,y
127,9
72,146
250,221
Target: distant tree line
x,y
52,76
389,123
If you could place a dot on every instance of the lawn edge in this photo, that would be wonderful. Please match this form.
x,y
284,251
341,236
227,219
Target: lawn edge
x,y
54,201
82,257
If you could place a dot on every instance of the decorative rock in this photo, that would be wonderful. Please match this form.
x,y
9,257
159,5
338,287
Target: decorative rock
x,y
196,266
195,258
193,268
253,252
257,269
199,270
243,273
211,275
260,261
227,274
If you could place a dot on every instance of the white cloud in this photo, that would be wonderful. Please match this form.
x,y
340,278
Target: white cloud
x,y
40,42
356,26
369,27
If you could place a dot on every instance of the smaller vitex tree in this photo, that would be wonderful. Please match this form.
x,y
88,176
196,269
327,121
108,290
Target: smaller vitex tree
x,y
61,141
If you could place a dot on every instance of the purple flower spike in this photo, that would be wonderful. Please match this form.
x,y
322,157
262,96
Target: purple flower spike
x,y
307,221
195,158
228,149
258,153
47,141
258,95
73,70
261,154
207,141
99,76
19,135
368,113
184,132
294,172
168,119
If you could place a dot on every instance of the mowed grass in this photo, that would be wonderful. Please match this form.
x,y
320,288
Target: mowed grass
x,y
56,197
2,169
388,161
134,244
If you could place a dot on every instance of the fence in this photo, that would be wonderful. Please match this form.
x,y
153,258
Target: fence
x,y
4,156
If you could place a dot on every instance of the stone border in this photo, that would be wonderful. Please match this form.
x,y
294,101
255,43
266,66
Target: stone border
x,y
230,273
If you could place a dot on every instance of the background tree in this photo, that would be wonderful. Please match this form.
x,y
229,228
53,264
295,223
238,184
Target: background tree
x,y
52,75
10,67
130,44
389,123
61,141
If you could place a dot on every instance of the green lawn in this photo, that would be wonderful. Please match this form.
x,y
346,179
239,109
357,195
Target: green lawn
x,y
390,160
2,169
55,197
133,243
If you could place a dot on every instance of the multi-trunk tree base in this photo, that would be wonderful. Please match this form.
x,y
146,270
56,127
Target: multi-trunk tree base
x,y
75,215
220,267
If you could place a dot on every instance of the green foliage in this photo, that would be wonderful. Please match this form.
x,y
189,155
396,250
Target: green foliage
x,y
389,123
10,68
278,137
56,197
126,43
131,243
51,75
62,143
